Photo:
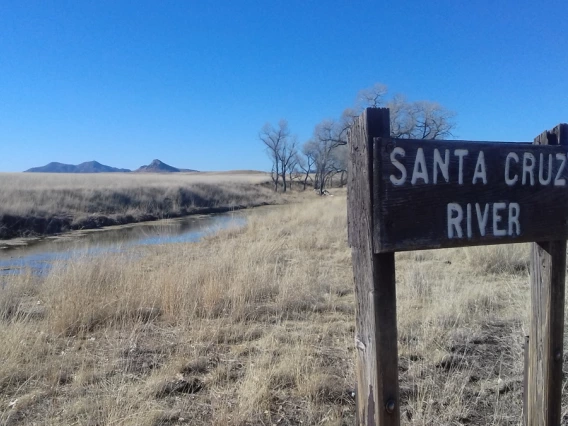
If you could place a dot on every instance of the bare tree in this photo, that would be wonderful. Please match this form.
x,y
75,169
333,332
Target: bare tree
x,y
419,120
339,160
409,120
372,97
306,163
328,135
401,117
282,149
287,157
325,148
274,140
294,167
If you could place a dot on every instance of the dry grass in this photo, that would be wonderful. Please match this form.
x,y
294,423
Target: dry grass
x,y
255,326
61,194
32,204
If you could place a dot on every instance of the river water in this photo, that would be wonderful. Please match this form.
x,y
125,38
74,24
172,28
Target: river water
x,y
39,254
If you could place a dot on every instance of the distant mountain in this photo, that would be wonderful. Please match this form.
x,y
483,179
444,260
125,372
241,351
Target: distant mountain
x,y
157,166
96,167
87,167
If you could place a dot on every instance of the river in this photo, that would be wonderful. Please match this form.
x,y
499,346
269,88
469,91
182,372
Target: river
x,y
38,255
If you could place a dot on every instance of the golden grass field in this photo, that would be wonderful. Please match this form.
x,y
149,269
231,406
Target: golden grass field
x,y
45,203
255,326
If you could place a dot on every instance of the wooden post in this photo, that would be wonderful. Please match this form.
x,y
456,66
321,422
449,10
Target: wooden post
x,y
547,276
375,289
525,379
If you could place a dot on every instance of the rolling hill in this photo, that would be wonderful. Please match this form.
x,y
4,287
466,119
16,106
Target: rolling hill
x,y
86,167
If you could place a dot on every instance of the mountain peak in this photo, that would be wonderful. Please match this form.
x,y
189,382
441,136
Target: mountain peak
x,y
158,166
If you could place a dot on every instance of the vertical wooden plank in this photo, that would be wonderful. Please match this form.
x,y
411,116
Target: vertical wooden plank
x,y
547,275
525,379
375,290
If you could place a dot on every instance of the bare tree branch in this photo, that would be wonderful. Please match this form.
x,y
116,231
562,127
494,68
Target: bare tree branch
x,y
372,97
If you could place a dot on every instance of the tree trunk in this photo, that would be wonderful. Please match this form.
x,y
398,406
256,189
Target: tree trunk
x,y
321,181
275,180
283,174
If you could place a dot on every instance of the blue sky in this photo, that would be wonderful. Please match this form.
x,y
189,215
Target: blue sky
x,y
192,82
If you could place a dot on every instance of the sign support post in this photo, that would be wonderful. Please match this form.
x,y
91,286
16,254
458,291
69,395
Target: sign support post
x,y
546,350
375,289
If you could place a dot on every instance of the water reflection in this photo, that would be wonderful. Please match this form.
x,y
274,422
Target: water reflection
x,y
40,255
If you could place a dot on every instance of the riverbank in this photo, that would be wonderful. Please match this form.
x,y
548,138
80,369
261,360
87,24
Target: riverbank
x,y
255,326
34,205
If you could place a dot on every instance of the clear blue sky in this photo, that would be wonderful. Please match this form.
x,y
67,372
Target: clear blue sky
x,y
192,82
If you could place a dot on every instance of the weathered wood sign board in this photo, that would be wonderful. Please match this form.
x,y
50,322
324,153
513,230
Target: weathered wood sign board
x,y
417,194
435,194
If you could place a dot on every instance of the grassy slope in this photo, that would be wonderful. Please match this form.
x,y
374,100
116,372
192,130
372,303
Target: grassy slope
x,y
36,204
262,320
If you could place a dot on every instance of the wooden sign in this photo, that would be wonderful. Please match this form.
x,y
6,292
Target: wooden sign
x,y
417,194
435,194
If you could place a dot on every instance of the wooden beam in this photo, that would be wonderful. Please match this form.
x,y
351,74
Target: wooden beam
x,y
376,333
547,276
